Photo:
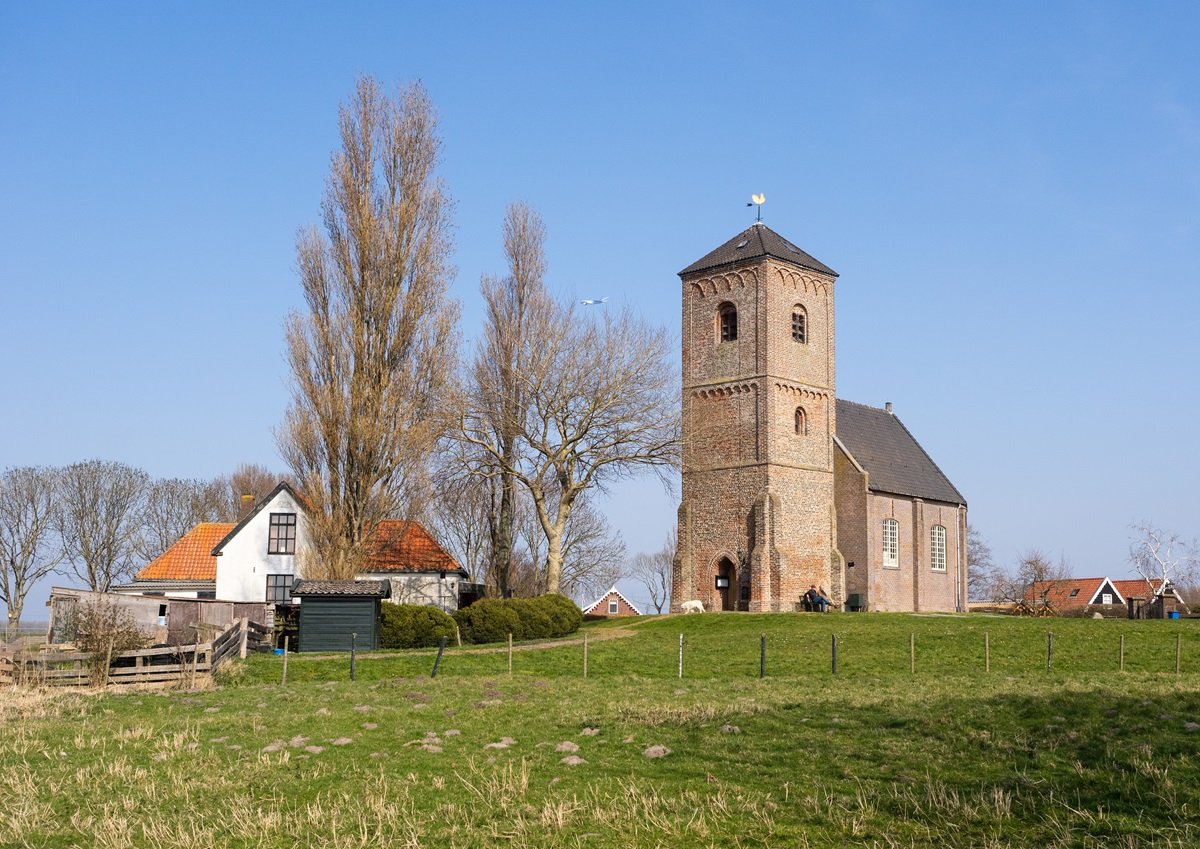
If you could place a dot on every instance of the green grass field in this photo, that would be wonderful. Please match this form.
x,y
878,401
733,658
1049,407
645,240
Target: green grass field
x,y
875,756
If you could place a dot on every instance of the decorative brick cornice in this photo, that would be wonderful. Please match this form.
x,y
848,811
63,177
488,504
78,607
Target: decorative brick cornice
x,y
726,391
720,284
799,392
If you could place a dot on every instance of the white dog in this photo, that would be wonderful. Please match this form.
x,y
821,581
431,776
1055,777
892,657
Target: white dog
x,y
693,606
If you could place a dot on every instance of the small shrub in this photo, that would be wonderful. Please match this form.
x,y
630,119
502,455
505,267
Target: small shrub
x,y
491,620
564,613
104,630
413,626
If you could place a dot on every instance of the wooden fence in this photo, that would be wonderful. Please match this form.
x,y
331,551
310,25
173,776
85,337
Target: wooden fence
x,y
170,664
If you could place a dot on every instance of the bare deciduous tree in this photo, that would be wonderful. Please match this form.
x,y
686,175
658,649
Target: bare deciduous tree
x,y
372,360
176,505
600,403
516,304
982,574
460,520
1163,557
1030,586
99,520
249,479
27,513
653,571
593,554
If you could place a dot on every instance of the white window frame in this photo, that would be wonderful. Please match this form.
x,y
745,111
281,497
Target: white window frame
x,y
937,548
613,607
891,544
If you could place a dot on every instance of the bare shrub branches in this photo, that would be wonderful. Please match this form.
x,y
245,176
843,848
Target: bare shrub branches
x,y
372,360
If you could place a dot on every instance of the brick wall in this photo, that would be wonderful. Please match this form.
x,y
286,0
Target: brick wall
x,y
757,496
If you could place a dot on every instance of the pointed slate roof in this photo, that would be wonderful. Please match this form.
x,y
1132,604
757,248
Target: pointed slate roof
x,y
756,242
895,462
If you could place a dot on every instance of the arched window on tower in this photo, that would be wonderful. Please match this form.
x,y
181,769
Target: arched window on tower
x,y
799,324
801,422
727,321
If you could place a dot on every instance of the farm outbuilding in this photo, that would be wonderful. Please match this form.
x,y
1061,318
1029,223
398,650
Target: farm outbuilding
x,y
332,611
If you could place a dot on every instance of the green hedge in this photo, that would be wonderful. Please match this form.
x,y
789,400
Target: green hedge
x,y
491,620
412,626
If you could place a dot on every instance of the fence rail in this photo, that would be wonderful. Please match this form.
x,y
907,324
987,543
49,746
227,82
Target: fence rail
x,y
172,663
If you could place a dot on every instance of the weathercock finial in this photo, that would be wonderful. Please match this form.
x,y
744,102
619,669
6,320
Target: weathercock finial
x,y
758,200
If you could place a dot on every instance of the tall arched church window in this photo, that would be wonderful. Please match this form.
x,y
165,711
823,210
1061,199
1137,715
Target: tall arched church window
x,y
891,543
937,548
799,324
801,422
728,322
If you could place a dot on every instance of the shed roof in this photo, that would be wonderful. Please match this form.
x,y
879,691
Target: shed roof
x,y
756,242
895,462
362,589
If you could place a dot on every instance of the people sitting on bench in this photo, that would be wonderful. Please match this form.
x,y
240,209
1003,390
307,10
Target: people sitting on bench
x,y
816,599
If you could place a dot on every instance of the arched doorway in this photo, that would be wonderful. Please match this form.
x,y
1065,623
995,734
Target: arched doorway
x,y
727,584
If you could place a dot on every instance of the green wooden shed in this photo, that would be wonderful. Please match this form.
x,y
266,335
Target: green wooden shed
x,y
330,611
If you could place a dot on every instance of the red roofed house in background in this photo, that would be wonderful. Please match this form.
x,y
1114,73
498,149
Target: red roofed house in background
x,y
611,604
258,560
1139,598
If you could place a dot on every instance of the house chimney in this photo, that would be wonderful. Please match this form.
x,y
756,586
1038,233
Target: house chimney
x,y
247,506
887,406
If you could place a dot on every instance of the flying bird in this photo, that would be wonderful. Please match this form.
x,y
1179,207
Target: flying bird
x,y
591,302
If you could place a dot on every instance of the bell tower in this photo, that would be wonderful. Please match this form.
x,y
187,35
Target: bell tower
x,y
757,523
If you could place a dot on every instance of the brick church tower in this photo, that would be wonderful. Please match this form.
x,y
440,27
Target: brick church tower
x,y
757,524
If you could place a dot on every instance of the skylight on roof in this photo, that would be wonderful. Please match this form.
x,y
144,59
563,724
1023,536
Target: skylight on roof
x,y
792,247
743,243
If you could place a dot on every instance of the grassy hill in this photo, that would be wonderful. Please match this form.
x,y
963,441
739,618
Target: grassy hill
x,y
875,756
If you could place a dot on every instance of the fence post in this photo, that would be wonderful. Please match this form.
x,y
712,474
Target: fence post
x,y
244,635
283,683
353,651
681,655
987,652
1121,660
585,647
834,654
912,653
1049,651
438,659
510,654
762,656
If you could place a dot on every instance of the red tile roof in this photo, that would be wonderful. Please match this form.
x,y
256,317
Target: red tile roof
x,y
1058,593
190,558
400,546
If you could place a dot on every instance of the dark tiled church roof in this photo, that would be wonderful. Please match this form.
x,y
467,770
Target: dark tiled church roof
x,y
894,460
755,243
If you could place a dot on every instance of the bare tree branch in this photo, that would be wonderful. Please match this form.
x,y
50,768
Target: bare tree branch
x,y
1161,556
654,572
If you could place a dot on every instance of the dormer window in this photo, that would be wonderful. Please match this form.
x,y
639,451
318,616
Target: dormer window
x,y
282,537
799,324
727,313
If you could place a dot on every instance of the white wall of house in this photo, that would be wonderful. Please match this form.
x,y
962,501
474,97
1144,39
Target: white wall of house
x,y
420,588
244,564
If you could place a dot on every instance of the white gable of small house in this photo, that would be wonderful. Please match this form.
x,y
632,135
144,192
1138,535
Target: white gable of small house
x,y
600,605
1106,588
244,564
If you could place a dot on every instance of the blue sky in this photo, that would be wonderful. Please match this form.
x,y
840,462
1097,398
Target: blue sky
x,y
1011,197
